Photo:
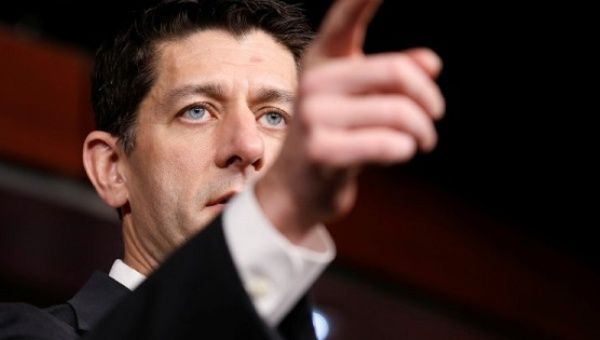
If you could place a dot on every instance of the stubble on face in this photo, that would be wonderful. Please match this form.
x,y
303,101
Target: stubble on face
x,y
173,172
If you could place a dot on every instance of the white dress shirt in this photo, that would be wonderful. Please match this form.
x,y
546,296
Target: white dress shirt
x,y
275,272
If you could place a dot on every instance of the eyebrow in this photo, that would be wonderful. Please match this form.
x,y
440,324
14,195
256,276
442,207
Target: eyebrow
x,y
217,92
274,95
210,90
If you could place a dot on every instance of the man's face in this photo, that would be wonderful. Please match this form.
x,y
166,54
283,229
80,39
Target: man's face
x,y
215,117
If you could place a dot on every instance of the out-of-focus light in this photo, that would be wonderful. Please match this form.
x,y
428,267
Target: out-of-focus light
x,y
321,324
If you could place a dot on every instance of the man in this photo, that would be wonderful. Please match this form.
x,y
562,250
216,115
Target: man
x,y
194,105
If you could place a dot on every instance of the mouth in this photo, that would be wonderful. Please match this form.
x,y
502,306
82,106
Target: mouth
x,y
221,200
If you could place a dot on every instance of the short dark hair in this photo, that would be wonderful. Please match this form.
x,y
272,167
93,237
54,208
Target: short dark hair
x,y
124,67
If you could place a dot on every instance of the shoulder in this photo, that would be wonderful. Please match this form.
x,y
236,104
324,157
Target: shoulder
x,y
24,321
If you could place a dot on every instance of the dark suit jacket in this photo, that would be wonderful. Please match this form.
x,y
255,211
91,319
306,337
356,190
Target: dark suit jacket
x,y
195,294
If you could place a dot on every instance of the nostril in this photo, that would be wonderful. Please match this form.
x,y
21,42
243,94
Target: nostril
x,y
258,164
233,159
242,163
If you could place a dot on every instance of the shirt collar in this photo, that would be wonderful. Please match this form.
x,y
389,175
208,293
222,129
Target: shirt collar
x,y
126,275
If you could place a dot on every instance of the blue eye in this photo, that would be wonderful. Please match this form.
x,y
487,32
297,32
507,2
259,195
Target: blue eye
x,y
273,119
195,113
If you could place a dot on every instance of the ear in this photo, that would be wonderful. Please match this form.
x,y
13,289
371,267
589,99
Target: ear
x,y
102,159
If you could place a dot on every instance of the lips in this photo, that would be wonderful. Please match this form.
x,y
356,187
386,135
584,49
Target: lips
x,y
222,200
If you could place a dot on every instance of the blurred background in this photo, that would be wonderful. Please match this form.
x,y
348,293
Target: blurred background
x,y
492,236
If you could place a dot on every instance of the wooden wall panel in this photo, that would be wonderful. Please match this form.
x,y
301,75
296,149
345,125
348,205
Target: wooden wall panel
x,y
44,106
410,232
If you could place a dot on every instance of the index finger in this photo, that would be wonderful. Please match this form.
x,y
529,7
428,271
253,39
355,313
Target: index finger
x,y
343,30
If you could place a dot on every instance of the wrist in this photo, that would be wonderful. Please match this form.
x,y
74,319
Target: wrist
x,y
282,209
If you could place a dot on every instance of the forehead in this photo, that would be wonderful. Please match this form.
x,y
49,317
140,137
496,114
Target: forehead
x,y
254,59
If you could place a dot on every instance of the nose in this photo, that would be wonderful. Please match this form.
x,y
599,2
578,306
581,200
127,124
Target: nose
x,y
240,143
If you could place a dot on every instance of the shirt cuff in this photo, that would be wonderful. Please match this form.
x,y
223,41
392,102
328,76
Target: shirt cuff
x,y
275,272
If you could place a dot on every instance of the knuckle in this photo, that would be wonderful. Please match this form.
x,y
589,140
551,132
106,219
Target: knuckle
x,y
384,150
399,66
309,111
310,82
405,75
401,108
315,149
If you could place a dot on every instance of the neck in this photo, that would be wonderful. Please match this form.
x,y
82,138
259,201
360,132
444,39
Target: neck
x,y
135,255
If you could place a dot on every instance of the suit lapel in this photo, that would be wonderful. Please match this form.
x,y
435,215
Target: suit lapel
x,y
95,299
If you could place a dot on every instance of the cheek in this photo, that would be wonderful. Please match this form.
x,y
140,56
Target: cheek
x,y
153,183
179,150
167,186
190,155
182,169
160,170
